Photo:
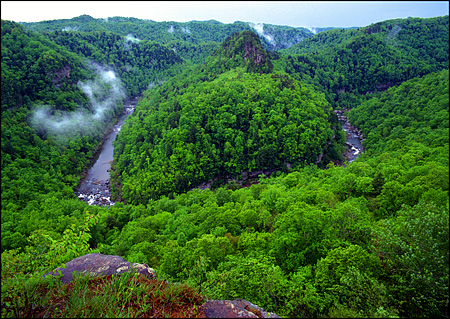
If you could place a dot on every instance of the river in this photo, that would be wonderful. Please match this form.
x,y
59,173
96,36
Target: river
x,y
354,138
353,142
94,188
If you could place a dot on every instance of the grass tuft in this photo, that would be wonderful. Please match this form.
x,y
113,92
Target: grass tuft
x,y
129,295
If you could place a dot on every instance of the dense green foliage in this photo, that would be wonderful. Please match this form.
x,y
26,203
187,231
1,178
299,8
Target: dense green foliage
x,y
337,242
40,163
139,64
30,66
389,117
345,64
221,128
273,37
369,239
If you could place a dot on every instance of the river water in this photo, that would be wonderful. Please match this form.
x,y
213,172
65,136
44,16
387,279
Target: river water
x,y
354,138
94,189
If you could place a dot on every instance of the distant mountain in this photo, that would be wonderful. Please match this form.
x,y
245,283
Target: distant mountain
x,y
389,29
346,64
316,30
139,63
273,37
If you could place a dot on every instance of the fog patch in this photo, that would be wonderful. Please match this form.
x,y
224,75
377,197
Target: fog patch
x,y
259,28
293,41
104,93
171,29
394,32
132,39
391,37
69,28
185,30
151,85
312,29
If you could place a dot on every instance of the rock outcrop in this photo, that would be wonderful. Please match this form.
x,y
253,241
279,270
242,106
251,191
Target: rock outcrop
x,y
247,46
56,76
238,308
97,265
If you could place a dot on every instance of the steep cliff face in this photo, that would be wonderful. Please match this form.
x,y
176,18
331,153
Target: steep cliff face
x,y
250,52
245,49
56,76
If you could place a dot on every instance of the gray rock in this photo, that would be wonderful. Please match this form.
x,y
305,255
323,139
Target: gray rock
x,y
96,265
237,308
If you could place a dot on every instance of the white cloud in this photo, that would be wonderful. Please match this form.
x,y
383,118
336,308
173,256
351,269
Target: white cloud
x,y
259,28
104,92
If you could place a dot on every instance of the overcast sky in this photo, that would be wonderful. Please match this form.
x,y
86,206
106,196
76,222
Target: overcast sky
x,y
291,13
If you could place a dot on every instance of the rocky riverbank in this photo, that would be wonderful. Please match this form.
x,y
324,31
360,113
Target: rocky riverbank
x,y
94,188
248,179
354,137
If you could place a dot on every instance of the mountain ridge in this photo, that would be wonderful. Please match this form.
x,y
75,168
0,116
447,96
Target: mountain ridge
x,y
368,238
167,31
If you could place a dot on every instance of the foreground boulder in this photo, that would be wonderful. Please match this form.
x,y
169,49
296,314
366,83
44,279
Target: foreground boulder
x,y
97,265
238,308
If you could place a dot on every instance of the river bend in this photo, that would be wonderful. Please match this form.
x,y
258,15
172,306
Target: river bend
x,y
95,189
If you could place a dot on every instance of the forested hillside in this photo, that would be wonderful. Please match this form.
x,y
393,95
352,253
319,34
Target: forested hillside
x,y
372,224
347,64
34,68
233,123
56,108
139,64
273,37
319,238
46,143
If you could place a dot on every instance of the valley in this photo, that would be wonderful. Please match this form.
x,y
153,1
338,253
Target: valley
x,y
349,125
94,187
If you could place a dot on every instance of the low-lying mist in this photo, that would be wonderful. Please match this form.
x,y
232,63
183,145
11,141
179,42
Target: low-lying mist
x,y
259,28
105,93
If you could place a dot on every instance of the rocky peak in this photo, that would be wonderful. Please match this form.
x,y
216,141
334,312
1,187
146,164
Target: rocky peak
x,y
246,46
